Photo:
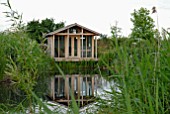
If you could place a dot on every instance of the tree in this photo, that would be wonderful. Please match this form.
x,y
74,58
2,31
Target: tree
x,y
115,31
143,24
36,29
103,36
48,25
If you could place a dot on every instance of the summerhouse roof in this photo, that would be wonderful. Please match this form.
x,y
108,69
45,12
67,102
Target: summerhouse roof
x,y
70,26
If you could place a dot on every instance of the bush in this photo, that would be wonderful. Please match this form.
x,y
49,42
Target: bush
x,y
24,67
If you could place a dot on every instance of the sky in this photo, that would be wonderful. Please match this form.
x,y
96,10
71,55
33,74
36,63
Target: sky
x,y
98,15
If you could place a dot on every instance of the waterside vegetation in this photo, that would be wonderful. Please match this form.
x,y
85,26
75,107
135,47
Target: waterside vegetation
x,y
138,65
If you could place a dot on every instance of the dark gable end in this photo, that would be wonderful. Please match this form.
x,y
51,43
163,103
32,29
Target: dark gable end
x,y
70,26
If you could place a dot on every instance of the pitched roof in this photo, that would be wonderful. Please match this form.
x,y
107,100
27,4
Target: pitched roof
x,y
69,26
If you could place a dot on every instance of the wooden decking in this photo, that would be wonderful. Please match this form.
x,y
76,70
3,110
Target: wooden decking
x,y
82,102
76,59
65,100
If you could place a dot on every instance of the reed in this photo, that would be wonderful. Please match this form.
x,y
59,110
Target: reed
x,y
143,86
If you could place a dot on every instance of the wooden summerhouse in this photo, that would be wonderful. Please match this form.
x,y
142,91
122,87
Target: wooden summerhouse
x,y
73,43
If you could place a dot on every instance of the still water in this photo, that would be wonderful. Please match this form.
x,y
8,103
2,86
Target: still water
x,y
101,86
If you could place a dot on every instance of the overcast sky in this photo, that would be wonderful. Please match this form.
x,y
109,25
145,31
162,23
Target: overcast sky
x,y
98,15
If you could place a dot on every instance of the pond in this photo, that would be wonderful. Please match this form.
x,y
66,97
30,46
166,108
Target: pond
x,y
101,87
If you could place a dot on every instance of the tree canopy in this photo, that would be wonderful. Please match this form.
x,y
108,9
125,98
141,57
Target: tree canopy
x,y
36,29
143,24
115,31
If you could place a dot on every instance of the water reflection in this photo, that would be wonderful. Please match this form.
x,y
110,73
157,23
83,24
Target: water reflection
x,y
100,86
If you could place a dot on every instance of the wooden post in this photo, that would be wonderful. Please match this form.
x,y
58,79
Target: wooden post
x,y
82,43
79,89
79,86
72,46
53,46
87,87
92,46
93,86
66,45
59,46
53,88
72,84
68,42
59,79
86,45
82,91
96,47
79,48
49,45
67,88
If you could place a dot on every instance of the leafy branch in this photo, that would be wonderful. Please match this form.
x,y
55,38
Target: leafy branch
x,y
13,16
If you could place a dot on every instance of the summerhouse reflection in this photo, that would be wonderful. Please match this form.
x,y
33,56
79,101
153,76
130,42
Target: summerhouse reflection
x,y
59,87
82,88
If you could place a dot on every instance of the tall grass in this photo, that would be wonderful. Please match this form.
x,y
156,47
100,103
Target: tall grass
x,y
24,68
144,86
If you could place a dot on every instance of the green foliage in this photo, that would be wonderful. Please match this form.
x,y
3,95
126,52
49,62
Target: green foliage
x,y
141,77
37,29
165,34
103,36
34,30
23,63
111,43
24,67
81,67
16,19
143,25
140,86
115,31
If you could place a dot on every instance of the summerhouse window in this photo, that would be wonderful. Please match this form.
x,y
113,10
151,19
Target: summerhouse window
x,y
70,45
59,46
87,46
75,46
